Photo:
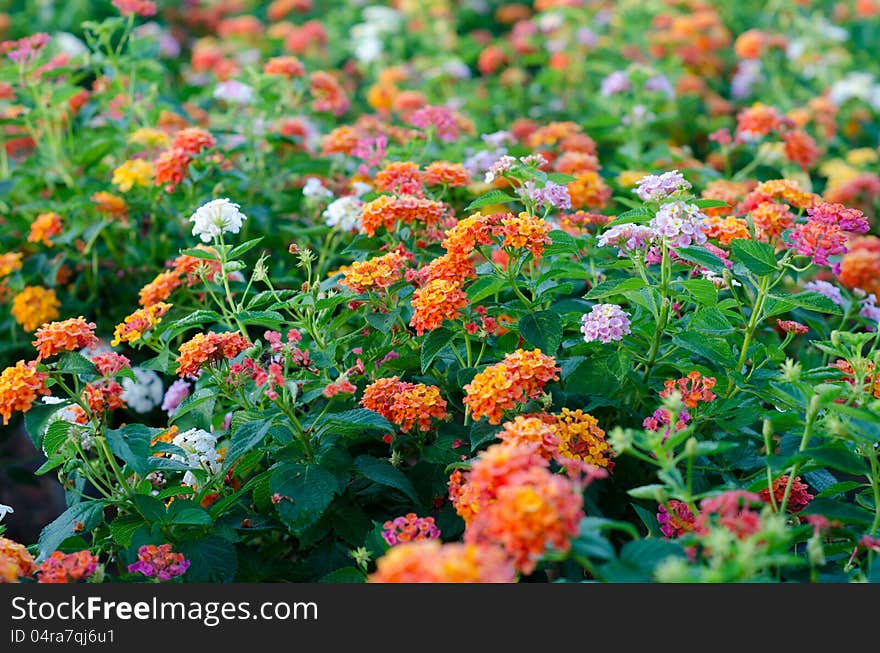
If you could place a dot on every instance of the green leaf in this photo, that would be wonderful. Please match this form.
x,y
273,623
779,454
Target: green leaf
x,y
212,560
201,404
132,444
492,197
758,257
36,419
344,575
615,287
484,287
152,509
384,473
353,423
543,330
846,512
122,529
195,318
638,215
82,517
714,350
711,204
306,492
560,178
74,363
711,321
701,257
56,435
482,432
647,554
238,250
837,458
206,254
245,438
184,512
702,290
433,344
813,301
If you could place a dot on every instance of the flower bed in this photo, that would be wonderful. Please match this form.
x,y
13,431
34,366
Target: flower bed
x,y
441,292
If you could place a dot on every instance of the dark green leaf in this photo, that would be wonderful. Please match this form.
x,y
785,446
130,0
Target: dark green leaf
x,y
384,473
433,344
132,444
758,257
492,197
306,491
543,330
79,518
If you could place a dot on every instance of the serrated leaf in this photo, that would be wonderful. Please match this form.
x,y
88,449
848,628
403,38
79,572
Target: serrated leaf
x,y
542,330
306,491
82,518
758,257
702,290
384,473
55,436
132,444
492,197
74,363
122,529
612,287
432,344
244,438
187,513
352,423
714,350
212,560
701,257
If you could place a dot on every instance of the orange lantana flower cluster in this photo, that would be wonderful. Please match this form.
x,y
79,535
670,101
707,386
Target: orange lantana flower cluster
x,y
446,174
68,335
387,210
525,232
44,227
436,301
15,561
67,567
510,498
860,267
519,377
20,386
726,229
207,348
693,388
406,405
786,190
378,273
582,439
431,561
138,323
536,511
34,306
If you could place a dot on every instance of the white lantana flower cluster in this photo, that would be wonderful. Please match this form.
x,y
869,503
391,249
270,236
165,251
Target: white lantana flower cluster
x,y
201,453
143,394
215,218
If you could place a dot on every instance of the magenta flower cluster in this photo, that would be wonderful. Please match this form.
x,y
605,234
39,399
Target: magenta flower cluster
x,y
826,231
605,323
409,528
